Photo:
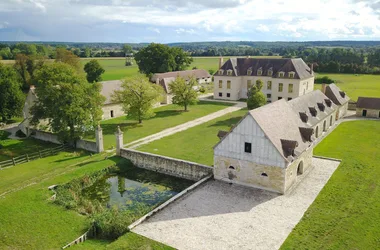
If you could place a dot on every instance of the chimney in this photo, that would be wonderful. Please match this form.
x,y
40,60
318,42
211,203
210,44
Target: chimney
x,y
220,62
312,68
323,88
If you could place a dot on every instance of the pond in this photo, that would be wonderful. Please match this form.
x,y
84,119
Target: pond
x,y
135,189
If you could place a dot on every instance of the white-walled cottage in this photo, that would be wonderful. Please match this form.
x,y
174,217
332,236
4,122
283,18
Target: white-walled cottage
x,y
282,78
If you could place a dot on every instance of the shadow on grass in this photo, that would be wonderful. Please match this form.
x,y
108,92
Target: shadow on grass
x,y
227,123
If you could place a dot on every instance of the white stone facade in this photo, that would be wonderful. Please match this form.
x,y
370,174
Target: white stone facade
x,y
112,111
238,87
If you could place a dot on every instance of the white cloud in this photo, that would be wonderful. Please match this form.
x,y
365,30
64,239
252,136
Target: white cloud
x,y
154,30
262,28
4,25
184,31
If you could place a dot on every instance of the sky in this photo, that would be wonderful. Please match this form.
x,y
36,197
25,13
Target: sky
x,y
167,21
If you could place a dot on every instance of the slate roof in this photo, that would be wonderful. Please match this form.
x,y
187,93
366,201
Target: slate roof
x,y
197,73
368,103
240,66
108,88
311,102
336,95
281,125
164,82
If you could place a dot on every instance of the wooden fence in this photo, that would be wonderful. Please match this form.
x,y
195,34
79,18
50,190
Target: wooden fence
x,y
33,156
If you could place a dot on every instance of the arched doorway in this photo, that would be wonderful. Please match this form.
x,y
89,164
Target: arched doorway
x,y
316,132
324,126
300,168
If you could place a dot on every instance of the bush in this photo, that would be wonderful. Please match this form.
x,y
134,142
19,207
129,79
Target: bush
x,y
4,135
111,223
202,89
324,79
127,63
20,134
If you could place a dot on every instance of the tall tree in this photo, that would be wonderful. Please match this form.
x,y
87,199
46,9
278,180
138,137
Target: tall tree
x,y
66,56
256,98
127,49
184,92
70,104
11,97
159,58
138,96
94,71
26,67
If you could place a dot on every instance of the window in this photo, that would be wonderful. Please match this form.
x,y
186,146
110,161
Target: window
x,y
280,87
269,96
269,85
248,147
290,89
228,84
220,84
291,74
279,98
290,98
228,95
264,175
249,71
220,94
259,71
111,113
270,72
221,72
249,84
281,74
229,72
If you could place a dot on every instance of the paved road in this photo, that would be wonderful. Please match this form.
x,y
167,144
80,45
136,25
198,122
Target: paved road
x,y
184,126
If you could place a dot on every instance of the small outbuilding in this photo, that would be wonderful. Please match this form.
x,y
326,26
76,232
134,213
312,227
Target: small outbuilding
x,y
368,107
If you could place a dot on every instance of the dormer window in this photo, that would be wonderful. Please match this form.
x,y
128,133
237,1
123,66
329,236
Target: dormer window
x,y
229,72
281,74
221,72
270,72
321,106
328,102
249,71
260,71
313,111
304,117
342,94
291,74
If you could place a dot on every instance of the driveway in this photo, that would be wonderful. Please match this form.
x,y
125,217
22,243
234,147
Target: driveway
x,y
222,216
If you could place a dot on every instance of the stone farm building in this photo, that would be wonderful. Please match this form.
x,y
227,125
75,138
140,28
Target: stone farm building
x,y
338,97
110,109
164,79
368,107
282,78
274,144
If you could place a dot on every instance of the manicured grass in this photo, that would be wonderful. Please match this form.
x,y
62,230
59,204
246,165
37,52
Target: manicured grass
x,y
356,85
30,221
166,117
13,148
129,241
345,214
195,144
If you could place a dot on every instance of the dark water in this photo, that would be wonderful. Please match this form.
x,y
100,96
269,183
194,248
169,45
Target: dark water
x,y
136,189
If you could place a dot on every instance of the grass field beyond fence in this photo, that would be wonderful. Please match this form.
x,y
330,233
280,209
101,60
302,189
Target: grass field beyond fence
x,y
346,214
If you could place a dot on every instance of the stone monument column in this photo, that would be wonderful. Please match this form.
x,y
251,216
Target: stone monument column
x,y
119,140
99,139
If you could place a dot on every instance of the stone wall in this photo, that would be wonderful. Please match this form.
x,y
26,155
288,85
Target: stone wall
x,y
116,109
45,136
371,113
87,145
166,165
352,105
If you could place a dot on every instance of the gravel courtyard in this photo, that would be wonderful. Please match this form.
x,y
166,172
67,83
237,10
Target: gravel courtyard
x,y
222,216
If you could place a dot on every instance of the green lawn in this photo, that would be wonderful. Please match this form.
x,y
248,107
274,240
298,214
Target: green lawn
x,y
13,148
30,221
195,144
166,117
356,85
345,214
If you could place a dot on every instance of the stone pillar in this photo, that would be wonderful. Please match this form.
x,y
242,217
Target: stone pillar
x,y
99,139
323,89
119,140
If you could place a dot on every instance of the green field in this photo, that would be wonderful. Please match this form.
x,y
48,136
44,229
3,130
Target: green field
x,y
12,148
355,85
166,117
204,136
29,220
345,215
